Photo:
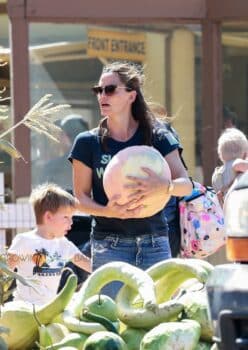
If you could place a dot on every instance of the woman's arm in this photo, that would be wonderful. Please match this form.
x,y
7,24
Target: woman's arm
x,y
180,179
82,187
153,183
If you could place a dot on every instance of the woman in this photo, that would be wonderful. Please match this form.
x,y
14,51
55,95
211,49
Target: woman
x,y
118,235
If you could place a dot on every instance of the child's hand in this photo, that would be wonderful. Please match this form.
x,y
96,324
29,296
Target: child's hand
x,y
220,196
240,165
13,260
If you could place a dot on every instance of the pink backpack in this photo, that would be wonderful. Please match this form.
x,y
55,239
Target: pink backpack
x,y
201,223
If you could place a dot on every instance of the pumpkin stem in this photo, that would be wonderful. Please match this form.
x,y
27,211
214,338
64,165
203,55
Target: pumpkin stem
x,y
99,299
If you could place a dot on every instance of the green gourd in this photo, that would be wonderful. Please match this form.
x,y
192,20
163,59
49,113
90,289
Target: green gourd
x,y
172,273
52,333
104,341
134,277
100,319
172,336
133,337
19,318
76,340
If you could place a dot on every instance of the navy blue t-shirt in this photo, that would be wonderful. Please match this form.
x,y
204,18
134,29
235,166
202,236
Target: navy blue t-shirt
x,y
87,148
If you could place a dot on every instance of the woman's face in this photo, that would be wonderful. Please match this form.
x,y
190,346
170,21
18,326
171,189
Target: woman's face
x,y
119,101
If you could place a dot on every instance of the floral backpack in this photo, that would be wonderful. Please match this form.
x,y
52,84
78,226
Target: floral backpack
x,y
201,223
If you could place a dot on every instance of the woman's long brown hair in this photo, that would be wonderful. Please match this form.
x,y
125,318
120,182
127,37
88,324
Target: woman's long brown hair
x,y
130,75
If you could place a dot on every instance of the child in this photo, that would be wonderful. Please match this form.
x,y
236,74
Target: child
x,y
42,253
232,145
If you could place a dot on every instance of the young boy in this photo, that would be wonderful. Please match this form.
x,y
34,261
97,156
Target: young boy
x,y
232,145
42,253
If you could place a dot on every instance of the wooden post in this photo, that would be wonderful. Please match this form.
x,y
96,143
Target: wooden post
x,y
21,174
211,96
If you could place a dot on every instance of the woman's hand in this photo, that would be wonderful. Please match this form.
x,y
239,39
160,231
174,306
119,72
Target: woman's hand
x,y
141,188
128,210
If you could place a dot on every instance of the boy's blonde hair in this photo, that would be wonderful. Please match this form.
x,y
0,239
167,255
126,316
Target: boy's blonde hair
x,y
49,197
232,144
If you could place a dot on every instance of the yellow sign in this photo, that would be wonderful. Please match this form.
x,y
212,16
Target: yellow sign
x,y
116,45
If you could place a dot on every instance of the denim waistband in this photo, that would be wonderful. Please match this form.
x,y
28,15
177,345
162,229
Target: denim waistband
x,y
148,236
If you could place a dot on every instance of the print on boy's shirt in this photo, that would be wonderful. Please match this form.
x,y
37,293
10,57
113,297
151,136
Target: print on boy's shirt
x,y
105,158
46,264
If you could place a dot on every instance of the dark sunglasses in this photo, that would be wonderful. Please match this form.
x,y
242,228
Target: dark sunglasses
x,y
108,89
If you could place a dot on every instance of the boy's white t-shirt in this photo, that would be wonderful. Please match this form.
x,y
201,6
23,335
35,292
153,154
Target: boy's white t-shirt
x,y
42,260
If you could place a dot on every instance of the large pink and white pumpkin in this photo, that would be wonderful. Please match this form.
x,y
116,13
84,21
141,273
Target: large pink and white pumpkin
x,y
130,162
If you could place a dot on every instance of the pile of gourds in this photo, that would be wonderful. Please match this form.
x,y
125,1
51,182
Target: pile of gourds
x,y
164,307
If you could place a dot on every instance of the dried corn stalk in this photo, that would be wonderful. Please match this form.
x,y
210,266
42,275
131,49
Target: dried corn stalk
x,y
39,118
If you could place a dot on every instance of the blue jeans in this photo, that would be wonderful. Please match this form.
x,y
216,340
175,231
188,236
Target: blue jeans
x,y
142,251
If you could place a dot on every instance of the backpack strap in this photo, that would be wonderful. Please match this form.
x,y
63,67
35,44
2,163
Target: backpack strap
x,y
183,161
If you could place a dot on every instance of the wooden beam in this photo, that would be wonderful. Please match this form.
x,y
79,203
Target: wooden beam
x,y
21,174
78,10
211,96
227,9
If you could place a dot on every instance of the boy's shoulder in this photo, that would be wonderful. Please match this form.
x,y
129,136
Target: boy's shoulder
x,y
26,234
21,240
30,232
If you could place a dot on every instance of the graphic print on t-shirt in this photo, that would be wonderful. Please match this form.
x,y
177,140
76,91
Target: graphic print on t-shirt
x,y
47,264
